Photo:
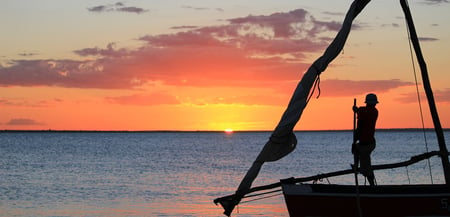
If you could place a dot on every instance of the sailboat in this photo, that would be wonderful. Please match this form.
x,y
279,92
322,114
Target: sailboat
x,y
306,199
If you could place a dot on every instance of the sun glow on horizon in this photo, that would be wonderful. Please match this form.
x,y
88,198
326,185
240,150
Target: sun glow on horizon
x,y
228,130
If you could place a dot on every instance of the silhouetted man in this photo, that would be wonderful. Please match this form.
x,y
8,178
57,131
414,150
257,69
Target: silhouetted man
x,y
365,135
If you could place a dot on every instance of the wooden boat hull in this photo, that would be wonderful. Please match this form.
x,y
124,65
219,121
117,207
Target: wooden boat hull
x,y
388,200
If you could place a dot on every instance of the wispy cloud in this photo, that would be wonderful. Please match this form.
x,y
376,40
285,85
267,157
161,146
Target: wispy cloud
x,y
201,8
329,88
183,27
119,6
110,51
335,87
23,122
144,99
195,8
442,96
434,2
334,13
395,25
249,99
28,54
20,102
428,39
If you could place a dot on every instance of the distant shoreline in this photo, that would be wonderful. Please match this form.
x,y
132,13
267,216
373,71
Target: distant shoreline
x,y
196,131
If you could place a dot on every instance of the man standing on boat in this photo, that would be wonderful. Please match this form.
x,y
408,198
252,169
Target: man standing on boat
x,y
365,142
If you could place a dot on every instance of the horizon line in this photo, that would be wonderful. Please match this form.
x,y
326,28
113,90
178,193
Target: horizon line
x,y
208,131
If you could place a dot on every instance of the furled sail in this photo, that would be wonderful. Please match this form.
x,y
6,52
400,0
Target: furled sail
x,y
283,141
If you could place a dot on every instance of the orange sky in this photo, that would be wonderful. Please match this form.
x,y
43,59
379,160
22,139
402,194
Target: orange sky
x,y
213,66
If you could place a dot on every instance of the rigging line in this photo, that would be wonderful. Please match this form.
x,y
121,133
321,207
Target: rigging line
x,y
407,175
255,195
261,198
418,97
316,84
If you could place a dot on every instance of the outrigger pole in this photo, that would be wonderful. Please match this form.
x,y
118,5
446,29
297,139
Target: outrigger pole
x,y
292,180
428,91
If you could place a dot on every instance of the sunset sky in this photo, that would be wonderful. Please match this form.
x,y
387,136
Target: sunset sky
x,y
211,65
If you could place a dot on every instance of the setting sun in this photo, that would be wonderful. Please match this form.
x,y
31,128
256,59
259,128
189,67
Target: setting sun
x,y
228,130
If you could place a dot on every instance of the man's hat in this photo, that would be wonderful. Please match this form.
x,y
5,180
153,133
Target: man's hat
x,y
371,99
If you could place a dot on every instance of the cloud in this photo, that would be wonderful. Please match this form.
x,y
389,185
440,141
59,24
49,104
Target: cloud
x,y
195,8
119,6
395,25
100,8
296,23
132,9
442,96
28,54
183,27
250,99
20,102
423,39
434,2
334,13
249,51
201,8
338,88
109,52
23,122
144,100
64,73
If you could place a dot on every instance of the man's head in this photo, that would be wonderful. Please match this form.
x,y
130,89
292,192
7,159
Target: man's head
x,y
371,99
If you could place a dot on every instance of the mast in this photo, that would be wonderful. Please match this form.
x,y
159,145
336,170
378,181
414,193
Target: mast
x,y
428,91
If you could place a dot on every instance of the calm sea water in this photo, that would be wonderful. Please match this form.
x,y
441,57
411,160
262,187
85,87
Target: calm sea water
x,y
176,174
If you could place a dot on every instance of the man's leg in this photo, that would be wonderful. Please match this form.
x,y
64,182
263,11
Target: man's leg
x,y
366,168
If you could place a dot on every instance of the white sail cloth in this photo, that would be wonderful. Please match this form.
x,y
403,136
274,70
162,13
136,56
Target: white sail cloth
x,y
282,140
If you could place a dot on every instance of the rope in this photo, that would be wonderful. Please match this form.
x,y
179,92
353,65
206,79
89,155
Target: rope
x,y
407,175
275,195
261,198
315,181
418,99
316,84
255,195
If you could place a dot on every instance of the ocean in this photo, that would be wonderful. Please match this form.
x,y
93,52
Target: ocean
x,y
108,174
